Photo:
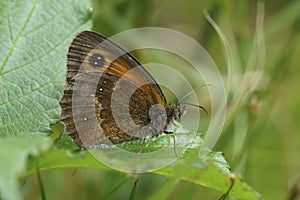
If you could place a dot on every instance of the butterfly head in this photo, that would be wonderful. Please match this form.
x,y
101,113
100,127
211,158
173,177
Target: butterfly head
x,y
174,111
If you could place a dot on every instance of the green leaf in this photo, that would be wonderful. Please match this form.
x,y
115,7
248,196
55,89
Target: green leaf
x,y
212,172
14,152
35,36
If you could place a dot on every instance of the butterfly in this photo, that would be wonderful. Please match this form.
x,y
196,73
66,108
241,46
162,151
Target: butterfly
x,y
109,97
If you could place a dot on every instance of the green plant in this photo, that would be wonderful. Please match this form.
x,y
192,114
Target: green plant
x,y
35,36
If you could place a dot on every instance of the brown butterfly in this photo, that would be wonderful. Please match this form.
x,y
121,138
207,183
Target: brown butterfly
x,y
100,77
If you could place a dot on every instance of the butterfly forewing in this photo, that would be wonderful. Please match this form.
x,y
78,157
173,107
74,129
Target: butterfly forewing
x,y
108,91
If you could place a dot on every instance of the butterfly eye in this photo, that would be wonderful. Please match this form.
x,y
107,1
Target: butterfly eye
x,y
177,112
97,60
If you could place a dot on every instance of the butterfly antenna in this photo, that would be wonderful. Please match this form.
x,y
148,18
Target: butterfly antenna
x,y
197,88
198,106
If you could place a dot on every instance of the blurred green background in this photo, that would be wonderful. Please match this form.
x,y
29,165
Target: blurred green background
x,y
261,140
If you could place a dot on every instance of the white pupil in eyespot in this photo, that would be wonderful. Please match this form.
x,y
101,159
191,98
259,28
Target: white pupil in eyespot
x,y
97,60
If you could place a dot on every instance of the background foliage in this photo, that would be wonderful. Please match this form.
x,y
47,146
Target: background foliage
x,y
261,140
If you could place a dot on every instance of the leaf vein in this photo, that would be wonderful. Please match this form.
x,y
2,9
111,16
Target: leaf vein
x,y
15,41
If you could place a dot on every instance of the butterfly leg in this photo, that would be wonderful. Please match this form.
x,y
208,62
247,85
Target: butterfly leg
x,y
232,179
143,145
174,140
168,132
134,188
